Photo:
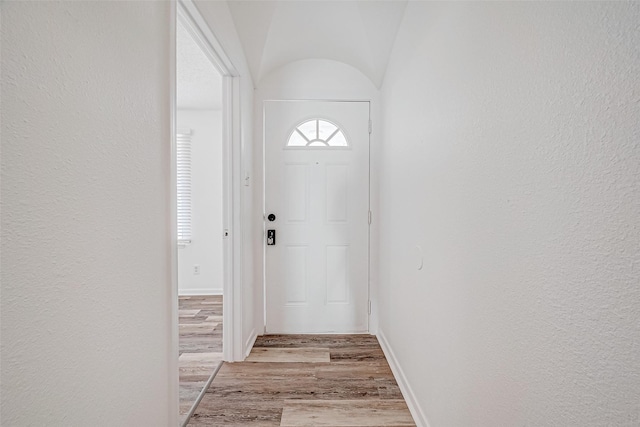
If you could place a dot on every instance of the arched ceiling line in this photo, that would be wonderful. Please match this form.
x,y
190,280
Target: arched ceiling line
x,y
357,33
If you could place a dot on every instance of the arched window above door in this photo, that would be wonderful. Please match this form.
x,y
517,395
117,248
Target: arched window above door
x,y
317,133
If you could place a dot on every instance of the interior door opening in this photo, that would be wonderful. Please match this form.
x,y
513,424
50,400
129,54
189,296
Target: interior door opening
x,y
188,15
200,201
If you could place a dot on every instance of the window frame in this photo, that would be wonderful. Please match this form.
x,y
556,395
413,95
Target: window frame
x,y
339,129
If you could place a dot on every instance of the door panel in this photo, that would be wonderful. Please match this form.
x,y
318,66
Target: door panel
x,y
317,272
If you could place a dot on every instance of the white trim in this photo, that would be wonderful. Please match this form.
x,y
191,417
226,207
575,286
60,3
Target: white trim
x,y
317,100
232,334
248,346
196,25
263,193
198,292
174,387
369,220
227,221
412,402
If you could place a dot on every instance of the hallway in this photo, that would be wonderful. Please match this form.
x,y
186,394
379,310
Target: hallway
x,y
503,212
306,380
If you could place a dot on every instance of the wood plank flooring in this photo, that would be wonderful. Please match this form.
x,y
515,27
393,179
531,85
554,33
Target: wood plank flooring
x,y
306,380
200,323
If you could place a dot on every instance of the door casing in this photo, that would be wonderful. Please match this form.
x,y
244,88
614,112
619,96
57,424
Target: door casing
x,y
188,14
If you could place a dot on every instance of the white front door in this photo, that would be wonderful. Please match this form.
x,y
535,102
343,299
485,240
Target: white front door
x,y
317,204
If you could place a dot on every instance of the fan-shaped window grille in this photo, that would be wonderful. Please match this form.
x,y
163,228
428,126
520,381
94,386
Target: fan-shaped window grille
x,y
317,133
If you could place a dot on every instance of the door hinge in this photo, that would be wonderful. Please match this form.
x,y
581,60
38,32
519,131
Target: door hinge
x,y
369,217
370,126
369,306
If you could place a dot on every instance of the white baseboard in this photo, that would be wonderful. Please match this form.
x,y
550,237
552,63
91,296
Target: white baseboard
x,y
193,292
253,336
405,388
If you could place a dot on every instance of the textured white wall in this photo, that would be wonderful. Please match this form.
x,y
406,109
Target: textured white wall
x,y
205,248
315,79
86,298
512,159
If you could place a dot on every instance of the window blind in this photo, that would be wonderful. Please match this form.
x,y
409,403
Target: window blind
x,y
183,158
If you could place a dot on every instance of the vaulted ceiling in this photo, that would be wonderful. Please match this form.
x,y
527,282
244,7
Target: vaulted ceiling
x,y
358,33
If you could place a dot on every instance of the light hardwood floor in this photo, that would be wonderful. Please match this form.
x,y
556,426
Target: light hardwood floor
x,y
200,323
306,380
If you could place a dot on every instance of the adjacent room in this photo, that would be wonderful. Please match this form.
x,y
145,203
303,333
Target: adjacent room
x,y
199,213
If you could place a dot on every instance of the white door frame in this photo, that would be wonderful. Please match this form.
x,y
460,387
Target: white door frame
x,y
186,12
264,209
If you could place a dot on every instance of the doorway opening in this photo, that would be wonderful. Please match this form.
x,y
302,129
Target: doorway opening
x,y
205,111
199,214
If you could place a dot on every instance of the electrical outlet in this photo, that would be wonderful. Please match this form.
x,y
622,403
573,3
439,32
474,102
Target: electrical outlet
x,y
196,269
